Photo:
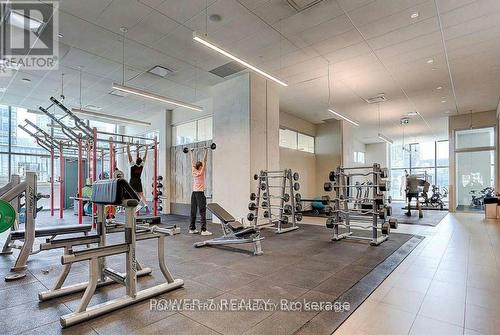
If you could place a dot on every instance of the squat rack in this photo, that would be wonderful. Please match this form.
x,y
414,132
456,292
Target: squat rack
x,y
83,141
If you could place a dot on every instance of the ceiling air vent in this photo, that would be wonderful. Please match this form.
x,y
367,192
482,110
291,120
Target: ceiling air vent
x,y
300,5
376,99
160,71
227,69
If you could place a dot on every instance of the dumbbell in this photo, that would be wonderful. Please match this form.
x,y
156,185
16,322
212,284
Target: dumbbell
x,y
328,210
158,185
298,207
298,197
298,216
384,173
250,217
384,186
212,146
158,193
296,186
330,223
284,220
328,187
386,228
393,223
159,178
296,176
332,176
287,209
160,208
254,196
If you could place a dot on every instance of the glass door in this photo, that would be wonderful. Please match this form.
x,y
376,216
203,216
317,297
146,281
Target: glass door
x,y
475,167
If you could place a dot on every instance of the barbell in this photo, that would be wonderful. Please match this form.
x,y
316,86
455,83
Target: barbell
x,y
212,146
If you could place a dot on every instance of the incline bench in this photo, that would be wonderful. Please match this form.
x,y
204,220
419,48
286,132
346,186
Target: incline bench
x,y
233,231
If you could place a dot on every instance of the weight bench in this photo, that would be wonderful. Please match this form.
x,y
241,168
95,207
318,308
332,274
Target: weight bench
x,y
233,231
111,192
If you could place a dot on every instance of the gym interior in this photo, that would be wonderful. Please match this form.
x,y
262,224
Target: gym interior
x,y
249,167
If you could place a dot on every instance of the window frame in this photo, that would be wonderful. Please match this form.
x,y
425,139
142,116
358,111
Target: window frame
x,y
196,139
297,140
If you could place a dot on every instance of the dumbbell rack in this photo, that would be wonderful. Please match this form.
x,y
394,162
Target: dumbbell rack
x,y
284,220
373,210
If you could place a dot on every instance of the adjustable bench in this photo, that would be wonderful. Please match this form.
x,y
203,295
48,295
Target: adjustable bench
x,y
233,231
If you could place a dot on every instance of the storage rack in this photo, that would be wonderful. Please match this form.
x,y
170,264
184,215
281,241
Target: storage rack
x,y
278,202
368,210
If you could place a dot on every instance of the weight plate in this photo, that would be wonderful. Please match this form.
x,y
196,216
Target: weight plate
x,y
7,216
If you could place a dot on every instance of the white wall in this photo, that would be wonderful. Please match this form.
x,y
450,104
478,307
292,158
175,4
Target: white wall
x,y
292,122
328,151
299,161
350,144
378,153
182,115
246,130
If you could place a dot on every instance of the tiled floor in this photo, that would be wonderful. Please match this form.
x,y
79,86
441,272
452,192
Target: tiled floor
x,y
450,284
301,265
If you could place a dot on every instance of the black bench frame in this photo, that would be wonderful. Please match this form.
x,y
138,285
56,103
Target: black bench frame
x,y
233,231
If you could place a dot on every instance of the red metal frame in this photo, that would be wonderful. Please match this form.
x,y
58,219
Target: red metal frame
x,y
61,182
52,181
80,182
155,177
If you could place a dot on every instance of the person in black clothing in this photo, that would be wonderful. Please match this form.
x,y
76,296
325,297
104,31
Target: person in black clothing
x,y
136,168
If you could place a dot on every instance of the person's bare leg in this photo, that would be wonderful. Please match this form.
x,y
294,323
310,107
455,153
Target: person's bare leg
x,y
142,198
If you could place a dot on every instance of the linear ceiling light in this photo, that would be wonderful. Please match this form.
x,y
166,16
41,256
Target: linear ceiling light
x,y
118,119
242,62
344,118
385,138
156,97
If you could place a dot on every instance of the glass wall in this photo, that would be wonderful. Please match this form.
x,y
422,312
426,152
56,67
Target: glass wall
x,y
427,158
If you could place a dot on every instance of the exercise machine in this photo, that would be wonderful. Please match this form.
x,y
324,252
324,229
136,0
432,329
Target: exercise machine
x,y
354,213
27,189
416,185
109,192
233,232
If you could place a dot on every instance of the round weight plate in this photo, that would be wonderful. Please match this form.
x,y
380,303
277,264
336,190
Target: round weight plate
x,y
296,176
296,186
7,216
286,198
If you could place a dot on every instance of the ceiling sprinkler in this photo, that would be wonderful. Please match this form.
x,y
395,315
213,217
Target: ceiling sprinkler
x,y
404,120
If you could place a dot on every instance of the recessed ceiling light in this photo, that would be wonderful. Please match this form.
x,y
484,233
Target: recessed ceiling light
x,y
415,15
60,35
443,101
3,89
439,88
26,80
430,61
412,114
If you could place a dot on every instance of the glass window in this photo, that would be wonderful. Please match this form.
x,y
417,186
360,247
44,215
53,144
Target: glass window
x,y
399,158
288,138
475,138
422,154
427,173
305,143
359,157
397,187
442,177
442,153
4,169
204,129
185,133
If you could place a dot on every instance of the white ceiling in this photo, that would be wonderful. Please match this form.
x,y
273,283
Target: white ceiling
x,y
373,46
